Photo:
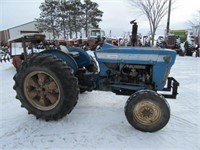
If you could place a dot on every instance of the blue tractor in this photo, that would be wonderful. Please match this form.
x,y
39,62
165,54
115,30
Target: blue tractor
x,y
48,83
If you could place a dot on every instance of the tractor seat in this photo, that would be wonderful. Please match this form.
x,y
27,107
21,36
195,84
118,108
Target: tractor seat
x,y
65,50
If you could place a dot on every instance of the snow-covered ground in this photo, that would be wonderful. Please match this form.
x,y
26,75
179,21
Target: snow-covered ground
x,y
98,120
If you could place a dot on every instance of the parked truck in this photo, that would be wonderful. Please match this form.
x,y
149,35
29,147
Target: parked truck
x,y
182,34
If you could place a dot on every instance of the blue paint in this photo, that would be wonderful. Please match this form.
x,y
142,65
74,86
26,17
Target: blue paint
x,y
65,57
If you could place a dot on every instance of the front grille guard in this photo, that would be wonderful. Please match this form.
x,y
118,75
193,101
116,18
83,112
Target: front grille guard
x,y
172,86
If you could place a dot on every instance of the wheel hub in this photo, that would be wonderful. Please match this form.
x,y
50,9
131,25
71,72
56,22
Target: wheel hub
x,y
147,112
41,90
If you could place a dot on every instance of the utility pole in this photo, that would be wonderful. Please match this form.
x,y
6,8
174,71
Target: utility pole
x,y
168,19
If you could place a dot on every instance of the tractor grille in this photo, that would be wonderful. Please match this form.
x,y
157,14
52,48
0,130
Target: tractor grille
x,y
171,40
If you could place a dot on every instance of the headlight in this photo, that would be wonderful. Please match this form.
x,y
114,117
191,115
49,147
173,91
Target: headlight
x,y
167,58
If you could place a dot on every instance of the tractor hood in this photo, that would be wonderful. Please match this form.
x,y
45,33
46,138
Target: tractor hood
x,y
141,55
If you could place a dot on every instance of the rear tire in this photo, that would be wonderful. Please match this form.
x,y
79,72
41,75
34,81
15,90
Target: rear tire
x,y
147,111
46,87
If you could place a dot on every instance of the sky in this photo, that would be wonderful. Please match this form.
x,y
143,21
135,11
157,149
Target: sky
x,y
117,15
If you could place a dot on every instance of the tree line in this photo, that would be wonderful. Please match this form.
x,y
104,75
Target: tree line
x,y
68,18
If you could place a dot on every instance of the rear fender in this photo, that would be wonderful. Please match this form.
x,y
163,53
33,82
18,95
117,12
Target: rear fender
x,y
83,59
65,57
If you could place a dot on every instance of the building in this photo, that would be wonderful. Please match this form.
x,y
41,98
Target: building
x,y
13,32
4,36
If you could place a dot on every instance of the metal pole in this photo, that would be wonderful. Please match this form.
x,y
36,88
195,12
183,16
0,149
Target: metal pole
x,y
168,19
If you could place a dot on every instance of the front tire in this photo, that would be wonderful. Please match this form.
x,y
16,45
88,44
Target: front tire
x,y
46,87
147,111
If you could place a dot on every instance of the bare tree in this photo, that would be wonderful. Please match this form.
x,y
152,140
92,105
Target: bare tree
x,y
154,10
195,24
196,19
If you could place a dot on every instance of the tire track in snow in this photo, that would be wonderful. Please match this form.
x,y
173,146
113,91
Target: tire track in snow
x,y
184,122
